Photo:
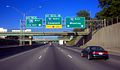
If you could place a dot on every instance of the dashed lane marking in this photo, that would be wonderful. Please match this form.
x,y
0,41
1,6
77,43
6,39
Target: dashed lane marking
x,y
69,56
40,57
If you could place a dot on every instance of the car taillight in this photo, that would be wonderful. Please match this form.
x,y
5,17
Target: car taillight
x,y
100,53
105,52
95,52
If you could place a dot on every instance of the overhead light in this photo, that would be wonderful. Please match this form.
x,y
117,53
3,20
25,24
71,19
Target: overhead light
x,y
7,6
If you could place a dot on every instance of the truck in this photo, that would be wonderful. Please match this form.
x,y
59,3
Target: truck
x,y
61,42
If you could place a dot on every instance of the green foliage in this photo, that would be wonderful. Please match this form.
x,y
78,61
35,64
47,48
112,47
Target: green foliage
x,y
110,9
78,30
104,3
83,13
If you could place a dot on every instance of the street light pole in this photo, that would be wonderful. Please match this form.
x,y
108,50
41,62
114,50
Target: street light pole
x,y
23,28
22,22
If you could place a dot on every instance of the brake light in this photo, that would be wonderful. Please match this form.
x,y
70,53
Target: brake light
x,y
95,52
105,52
99,52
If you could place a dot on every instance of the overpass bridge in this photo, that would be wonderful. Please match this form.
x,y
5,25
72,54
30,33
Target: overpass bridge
x,y
31,34
45,40
42,33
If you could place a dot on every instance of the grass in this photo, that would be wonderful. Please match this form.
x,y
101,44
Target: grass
x,y
72,42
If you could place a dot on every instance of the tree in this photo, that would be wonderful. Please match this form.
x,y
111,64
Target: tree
x,y
78,30
101,14
110,9
104,3
83,13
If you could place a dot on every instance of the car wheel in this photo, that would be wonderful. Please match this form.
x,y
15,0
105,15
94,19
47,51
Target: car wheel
x,y
89,57
106,58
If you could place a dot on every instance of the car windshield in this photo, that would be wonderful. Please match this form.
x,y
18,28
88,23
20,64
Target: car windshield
x,y
97,48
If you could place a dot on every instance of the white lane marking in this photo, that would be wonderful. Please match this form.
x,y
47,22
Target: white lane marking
x,y
40,57
69,56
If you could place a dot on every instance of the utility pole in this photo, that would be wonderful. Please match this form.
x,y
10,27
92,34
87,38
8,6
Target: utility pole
x,y
22,22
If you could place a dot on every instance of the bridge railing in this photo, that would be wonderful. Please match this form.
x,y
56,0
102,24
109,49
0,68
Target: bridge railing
x,y
102,23
112,21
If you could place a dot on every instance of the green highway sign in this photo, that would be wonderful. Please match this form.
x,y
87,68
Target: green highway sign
x,y
53,21
33,21
77,22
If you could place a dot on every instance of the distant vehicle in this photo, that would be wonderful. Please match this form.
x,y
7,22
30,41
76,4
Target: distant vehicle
x,y
3,30
61,42
50,43
92,52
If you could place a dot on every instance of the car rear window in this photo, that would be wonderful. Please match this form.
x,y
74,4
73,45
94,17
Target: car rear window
x,y
97,48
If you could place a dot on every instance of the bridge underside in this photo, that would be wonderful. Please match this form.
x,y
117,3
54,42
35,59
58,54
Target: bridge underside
x,y
43,33
30,34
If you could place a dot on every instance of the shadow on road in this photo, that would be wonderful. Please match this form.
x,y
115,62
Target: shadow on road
x,y
6,52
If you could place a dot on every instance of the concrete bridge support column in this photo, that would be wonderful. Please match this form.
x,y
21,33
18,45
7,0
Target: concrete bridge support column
x,y
30,41
64,42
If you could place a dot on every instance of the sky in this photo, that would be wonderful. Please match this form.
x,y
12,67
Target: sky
x,y
10,17
10,11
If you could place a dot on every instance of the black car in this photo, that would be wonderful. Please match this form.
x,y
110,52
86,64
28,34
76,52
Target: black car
x,y
94,52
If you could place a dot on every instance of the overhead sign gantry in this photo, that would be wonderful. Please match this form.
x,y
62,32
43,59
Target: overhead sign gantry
x,y
53,21
77,22
33,21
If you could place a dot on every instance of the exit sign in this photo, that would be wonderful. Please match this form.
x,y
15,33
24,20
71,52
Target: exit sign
x,y
33,21
77,22
53,21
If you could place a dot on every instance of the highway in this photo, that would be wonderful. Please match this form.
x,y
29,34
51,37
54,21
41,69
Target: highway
x,y
56,57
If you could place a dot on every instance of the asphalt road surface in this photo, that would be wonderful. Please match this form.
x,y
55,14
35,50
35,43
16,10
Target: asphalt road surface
x,y
56,57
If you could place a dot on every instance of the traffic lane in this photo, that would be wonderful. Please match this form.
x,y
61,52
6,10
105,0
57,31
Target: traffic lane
x,y
54,59
48,62
78,50
113,55
116,58
35,62
10,51
64,60
23,61
110,64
